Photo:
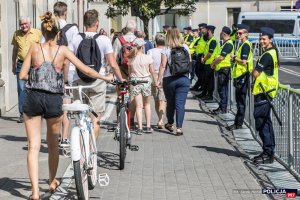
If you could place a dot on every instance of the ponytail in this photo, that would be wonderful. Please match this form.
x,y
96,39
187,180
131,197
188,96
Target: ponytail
x,y
133,52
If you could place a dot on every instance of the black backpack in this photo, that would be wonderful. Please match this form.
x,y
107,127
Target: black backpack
x,y
89,53
180,61
63,40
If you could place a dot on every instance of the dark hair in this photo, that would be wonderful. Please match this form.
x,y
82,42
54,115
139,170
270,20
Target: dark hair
x,y
90,18
276,49
49,26
60,8
112,30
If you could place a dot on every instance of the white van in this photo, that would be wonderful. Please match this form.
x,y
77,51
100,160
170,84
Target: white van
x,y
285,24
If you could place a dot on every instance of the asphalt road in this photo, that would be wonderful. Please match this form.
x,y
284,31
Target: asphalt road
x,y
289,73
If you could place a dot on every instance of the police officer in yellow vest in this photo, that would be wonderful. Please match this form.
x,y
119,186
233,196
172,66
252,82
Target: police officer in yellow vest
x,y
189,38
266,74
192,48
222,65
210,52
199,69
165,29
243,65
233,33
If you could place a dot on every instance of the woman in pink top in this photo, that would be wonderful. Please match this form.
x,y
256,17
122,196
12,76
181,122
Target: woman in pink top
x,y
141,68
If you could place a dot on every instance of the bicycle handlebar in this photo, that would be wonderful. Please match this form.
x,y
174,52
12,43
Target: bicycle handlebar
x,y
131,82
79,87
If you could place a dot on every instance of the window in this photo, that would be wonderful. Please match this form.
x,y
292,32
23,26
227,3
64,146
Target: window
x,y
280,26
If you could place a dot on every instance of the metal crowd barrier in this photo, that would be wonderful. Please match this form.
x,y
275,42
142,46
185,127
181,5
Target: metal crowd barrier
x,y
287,47
287,137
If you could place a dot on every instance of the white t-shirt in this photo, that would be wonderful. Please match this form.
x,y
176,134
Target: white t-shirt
x,y
156,56
105,47
71,32
167,52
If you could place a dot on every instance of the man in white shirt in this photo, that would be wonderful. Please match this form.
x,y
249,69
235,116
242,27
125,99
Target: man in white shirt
x,y
60,11
97,94
128,37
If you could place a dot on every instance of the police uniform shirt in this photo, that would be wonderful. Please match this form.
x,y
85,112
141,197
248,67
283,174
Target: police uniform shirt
x,y
265,64
245,52
212,46
226,49
190,38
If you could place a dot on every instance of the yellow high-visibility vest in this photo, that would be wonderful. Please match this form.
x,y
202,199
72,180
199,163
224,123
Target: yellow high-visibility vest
x,y
239,69
268,82
226,62
192,45
201,45
206,50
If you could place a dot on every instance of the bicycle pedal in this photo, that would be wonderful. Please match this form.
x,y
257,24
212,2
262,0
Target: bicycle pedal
x,y
103,179
111,128
134,147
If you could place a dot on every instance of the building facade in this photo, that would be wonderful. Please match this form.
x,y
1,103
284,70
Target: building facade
x,y
215,12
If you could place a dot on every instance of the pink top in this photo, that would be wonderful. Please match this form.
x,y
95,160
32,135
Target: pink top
x,y
140,65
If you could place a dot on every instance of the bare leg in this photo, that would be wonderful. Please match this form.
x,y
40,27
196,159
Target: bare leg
x,y
53,130
146,101
66,121
96,124
161,112
33,130
139,107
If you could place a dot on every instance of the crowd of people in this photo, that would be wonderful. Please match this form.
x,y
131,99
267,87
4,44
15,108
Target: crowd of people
x,y
47,60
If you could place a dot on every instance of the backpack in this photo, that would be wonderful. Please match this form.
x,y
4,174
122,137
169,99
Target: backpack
x,y
124,51
89,53
180,61
62,39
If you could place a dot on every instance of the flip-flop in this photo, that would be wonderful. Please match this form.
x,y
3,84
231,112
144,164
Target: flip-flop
x,y
30,198
52,189
169,127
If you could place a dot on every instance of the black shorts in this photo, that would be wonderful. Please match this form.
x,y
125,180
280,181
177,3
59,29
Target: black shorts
x,y
42,103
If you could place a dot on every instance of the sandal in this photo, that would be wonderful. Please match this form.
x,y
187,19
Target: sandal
x,y
159,126
169,127
179,132
31,198
54,186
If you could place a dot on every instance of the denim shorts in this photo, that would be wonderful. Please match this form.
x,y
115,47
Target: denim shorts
x,y
41,103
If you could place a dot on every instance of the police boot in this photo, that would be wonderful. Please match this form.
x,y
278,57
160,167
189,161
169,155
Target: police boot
x,y
263,158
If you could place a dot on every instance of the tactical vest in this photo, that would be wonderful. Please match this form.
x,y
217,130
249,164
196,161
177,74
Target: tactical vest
x,y
200,45
239,69
206,50
268,82
192,45
226,62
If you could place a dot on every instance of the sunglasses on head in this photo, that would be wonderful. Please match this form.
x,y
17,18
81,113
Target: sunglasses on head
x,y
240,33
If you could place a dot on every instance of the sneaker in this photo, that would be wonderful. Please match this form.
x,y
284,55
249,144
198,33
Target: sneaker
x,y
148,130
21,119
65,143
263,158
139,131
233,127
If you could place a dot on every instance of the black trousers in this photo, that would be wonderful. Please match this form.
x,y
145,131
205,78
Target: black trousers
x,y
263,123
209,80
199,72
223,79
241,85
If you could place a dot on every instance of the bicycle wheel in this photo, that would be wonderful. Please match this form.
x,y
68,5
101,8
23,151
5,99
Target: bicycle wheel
x,y
80,175
122,137
92,177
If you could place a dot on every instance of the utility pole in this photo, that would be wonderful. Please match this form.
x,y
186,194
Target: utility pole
x,y
257,5
80,14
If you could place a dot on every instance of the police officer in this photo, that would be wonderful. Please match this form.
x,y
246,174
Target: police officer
x,y
241,71
233,33
266,75
165,29
193,53
210,53
222,65
199,69
189,38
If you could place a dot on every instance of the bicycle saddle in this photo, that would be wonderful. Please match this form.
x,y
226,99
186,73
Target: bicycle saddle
x,y
75,106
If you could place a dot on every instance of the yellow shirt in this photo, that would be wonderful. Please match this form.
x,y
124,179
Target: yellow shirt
x,y
23,42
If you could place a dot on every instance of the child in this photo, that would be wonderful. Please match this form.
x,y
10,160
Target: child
x,y
140,66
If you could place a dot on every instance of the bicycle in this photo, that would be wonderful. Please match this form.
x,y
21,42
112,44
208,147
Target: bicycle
x,y
122,132
83,146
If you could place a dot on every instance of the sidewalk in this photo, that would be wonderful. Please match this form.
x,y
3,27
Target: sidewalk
x,y
201,164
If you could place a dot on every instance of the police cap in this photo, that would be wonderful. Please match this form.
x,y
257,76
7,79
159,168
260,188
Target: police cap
x,y
226,30
202,25
267,31
243,26
195,30
166,26
188,28
211,27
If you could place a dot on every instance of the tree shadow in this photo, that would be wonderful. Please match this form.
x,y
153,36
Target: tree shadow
x,y
13,185
12,119
194,111
108,160
43,149
206,122
13,138
228,152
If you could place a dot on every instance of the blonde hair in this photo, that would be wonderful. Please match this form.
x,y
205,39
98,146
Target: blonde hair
x,y
173,38
49,26
133,52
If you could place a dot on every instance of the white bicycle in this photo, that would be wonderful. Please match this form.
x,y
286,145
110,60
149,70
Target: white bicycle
x,y
83,146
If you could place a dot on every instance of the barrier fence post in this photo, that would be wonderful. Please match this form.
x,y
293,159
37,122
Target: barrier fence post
x,y
290,129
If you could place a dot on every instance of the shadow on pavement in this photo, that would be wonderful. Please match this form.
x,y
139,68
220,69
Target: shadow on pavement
x,y
13,138
108,160
43,149
195,111
206,122
220,150
13,119
13,185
